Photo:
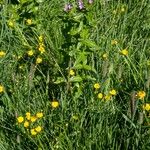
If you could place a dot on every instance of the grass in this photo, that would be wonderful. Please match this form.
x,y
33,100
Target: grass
x,y
90,43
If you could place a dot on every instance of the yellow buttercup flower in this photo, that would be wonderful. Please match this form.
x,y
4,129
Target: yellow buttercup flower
x,y
26,124
29,21
41,49
122,9
146,107
113,92
71,72
124,52
107,97
105,56
10,23
33,118
30,52
40,38
141,94
2,53
28,115
96,85
55,104
114,42
20,119
1,89
38,129
38,60
33,132
39,115
100,95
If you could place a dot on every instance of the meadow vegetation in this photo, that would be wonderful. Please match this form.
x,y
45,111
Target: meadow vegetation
x,y
75,75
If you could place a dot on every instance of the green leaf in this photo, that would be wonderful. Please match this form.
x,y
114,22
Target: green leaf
x,y
89,78
59,80
87,67
90,44
75,79
78,66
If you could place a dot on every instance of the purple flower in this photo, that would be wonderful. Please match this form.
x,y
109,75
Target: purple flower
x,y
67,7
90,1
80,4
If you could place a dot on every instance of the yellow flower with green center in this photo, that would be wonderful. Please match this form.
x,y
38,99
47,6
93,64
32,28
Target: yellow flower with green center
x,y
26,124
122,9
107,97
39,115
20,119
146,107
40,38
41,49
33,118
114,42
10,23
55,104
124,52
38,60
29,21
33,132
2,53
30,52
141,94
113,92
100,95
28,115
71,72
105,56
38,129
1,89
96,85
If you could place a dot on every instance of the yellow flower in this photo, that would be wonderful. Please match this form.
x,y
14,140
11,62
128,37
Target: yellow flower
x,y
26,124
2,53
96,85
39,115
10,23
33,132
100,95
1,89
41,38
41,49
107,97
113,92
105,56
30,52
38,129
38,60
71,72
28,116
33,118
55,104
146,107
124,52
29,21
141,94
20,119
122,9
114,42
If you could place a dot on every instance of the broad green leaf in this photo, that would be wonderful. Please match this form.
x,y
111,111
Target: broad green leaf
x,y
75,79
59,80
90,44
